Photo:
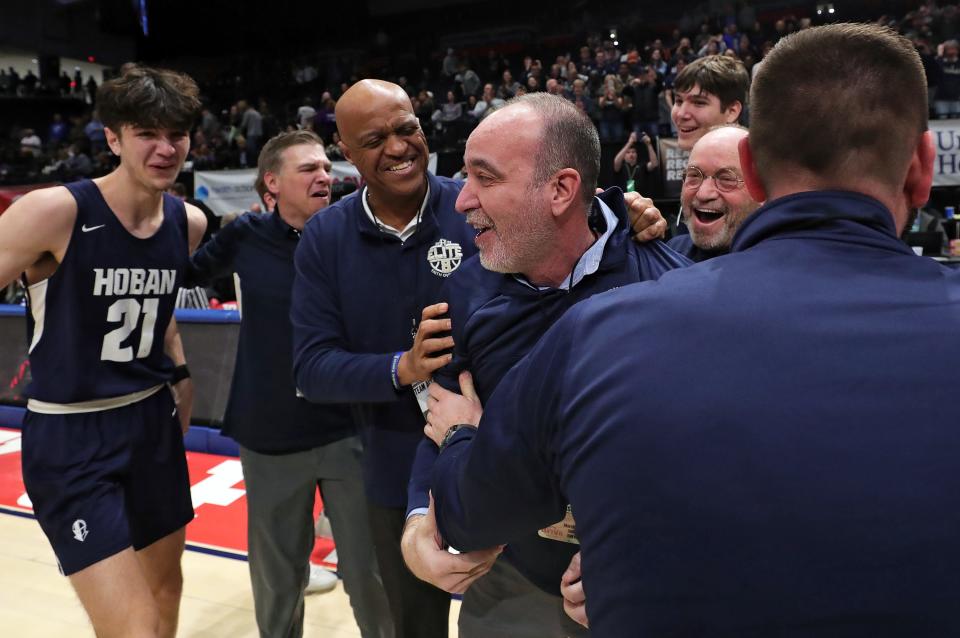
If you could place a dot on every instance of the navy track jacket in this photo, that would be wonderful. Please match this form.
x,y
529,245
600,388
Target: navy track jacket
x,y
357,299
805,484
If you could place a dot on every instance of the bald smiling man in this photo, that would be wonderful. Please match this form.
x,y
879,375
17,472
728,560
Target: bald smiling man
x,y
366,269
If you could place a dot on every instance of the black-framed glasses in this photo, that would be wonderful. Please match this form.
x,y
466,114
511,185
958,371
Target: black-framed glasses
x,y
725,179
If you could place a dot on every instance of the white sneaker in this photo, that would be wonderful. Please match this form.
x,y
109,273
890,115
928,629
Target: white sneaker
x,y
321,580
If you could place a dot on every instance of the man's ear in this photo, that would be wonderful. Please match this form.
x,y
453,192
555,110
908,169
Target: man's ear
x,y
733,111
566,189
749,169
113,140
273,184
916,188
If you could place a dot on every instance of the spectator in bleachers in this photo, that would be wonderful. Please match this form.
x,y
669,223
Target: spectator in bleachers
x,y
731,39
423,108
610,112
333,148
450,64
947,103
470,80
624,76
57,133
251,127
487,104
95,135
586,57
631,175
644,93
931,69
14,81
30,143
209,123
305,114
91,90
325,121
508,88
554,87
30,82
684,51
582,100
573,74
77,164
451,111
202,157
64,84
658,63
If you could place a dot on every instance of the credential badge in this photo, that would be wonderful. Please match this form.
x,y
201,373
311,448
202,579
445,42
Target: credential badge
x,y
444,257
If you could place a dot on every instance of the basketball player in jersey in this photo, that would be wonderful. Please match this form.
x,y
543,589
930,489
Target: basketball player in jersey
x,y
103,455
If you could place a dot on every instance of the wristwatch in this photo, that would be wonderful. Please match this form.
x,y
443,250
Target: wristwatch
x,y
452,431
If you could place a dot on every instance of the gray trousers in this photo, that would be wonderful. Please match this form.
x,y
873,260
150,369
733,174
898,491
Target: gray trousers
x,y
505,604
280,532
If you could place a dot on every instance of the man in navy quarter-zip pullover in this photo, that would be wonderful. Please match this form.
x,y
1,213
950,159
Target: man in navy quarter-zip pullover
x,y
288,446
368,272
806,485
365,270
545,243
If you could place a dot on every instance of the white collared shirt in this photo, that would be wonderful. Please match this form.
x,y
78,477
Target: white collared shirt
x,y
408,230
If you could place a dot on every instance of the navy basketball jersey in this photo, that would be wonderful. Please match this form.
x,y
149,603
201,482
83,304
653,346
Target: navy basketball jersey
x,y
96,327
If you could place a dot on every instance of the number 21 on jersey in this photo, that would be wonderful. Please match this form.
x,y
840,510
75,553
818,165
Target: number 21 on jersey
x,y
127,313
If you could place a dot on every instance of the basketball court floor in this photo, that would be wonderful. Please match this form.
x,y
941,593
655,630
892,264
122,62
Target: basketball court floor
x,y
37,602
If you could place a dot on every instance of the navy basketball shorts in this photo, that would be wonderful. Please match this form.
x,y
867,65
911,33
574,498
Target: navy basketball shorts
x,y
104,481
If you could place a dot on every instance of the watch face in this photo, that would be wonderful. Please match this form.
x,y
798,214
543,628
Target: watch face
x,y
453,429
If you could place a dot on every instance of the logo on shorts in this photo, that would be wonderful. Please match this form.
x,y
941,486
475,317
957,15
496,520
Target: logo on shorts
x,y
444,257
80,530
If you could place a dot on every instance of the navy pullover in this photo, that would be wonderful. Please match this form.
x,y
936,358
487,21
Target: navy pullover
x,y
357,299
264,413
497,319
807,485
684,245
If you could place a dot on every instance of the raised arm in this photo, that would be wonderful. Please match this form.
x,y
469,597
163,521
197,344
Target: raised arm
x,y
618,158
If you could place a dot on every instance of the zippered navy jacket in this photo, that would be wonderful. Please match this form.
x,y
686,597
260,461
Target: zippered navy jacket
x,y
497,319
807,483
357,299
264,413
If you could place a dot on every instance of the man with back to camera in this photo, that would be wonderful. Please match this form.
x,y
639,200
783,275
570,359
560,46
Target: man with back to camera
x,y
713,184
288,446
540,220
103,459
369,270
802,489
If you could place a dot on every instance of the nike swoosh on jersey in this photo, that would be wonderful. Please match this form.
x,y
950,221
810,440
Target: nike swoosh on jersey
x,y
86,229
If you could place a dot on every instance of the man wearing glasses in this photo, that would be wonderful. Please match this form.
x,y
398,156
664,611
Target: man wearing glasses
x,y
714,199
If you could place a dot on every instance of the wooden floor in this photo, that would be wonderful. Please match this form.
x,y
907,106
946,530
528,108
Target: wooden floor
x,y
36,602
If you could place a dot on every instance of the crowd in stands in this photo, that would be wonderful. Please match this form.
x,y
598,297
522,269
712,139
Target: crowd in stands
x,y
625,87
